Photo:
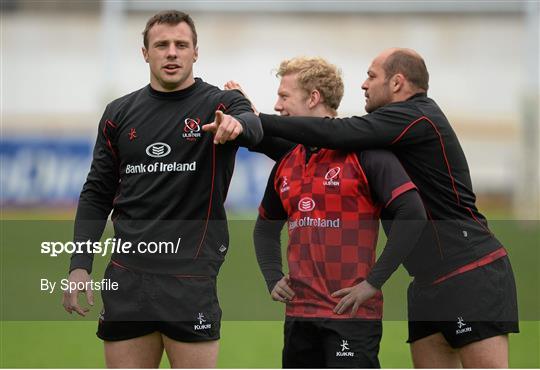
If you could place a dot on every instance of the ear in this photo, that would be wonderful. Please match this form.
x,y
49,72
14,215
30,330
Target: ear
x,y
145,54
196,54
314,99
397,83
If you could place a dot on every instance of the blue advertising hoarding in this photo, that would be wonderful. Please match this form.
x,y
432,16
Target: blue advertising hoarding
x,y
44,172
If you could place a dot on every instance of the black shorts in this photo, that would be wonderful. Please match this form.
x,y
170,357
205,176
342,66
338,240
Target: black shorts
x,y
322,343
185,309
475,305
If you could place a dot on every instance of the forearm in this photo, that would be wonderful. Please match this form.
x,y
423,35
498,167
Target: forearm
x,y
266,237
273,147
90,220
354,133
252,132
409,220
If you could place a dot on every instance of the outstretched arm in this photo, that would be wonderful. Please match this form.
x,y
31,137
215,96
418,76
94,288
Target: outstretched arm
x,y
378,129
272,147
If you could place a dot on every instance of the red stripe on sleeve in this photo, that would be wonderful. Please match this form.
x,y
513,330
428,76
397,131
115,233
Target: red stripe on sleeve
x,y
400,190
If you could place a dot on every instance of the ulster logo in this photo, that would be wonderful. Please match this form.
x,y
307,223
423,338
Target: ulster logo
x,y
158,150
331,178
306,204
192,129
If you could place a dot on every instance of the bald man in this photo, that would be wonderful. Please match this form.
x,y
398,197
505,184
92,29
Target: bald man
x,y
462,302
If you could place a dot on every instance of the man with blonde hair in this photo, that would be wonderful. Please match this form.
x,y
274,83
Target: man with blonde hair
x,y
332,201
462,302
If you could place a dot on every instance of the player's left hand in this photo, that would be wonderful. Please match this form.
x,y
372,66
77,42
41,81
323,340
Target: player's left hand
x,y
225,128
233,85
353,296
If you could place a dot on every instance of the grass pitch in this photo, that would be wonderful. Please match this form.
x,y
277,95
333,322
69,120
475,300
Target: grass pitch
x,y
36,333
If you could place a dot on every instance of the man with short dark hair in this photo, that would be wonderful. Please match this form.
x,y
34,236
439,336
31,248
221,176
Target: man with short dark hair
x,y
165,182
462,302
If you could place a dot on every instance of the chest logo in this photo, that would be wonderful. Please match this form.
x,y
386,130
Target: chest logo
x,y
192,129
132,134
332,177
284,185
158,150
306,204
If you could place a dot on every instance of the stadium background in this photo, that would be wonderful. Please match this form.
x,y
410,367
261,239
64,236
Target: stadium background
x,y
62,61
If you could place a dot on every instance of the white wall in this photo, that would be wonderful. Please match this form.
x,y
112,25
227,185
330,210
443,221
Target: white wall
x,y
57,77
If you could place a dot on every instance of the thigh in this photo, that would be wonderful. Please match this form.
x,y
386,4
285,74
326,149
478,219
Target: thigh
x,y
486,353
194,355
351,343
433,351
140,352
302,346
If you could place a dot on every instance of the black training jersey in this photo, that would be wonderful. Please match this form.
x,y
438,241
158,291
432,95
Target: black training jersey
x,y
420,135
163,178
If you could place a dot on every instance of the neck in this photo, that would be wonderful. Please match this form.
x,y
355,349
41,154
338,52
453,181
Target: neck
x,y
406,95
159,86
322,111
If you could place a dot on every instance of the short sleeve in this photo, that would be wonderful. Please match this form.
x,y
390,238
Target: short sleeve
x,y
271,207
234,103
386,176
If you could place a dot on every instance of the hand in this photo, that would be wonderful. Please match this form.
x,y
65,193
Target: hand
x,y
225,128
233,85
354,296
282,291
70,299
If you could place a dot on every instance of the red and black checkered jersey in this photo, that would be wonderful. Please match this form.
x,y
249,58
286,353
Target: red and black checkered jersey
x,y
332,203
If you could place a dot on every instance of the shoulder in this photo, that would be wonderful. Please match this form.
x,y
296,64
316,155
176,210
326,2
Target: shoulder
x,y
119,106
219,96
288,156
215,91
294,150
376,157
407,107
126,99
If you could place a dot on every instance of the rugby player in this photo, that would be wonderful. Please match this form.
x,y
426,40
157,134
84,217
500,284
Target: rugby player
x,y
332,201
462,302
164,180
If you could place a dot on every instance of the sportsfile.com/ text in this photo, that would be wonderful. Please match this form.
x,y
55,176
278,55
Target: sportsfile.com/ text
x,y
112,245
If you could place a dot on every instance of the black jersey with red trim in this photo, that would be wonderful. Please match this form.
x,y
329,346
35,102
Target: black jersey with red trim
x,y
332,202
419,134
164,179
